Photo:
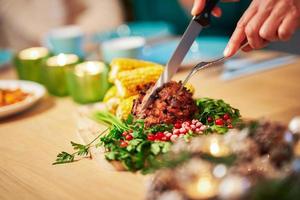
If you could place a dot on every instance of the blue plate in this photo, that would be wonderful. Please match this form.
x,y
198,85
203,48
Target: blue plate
x,y
204,48
5,57
144,29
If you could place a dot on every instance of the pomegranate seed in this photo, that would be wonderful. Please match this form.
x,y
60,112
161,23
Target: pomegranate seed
x,y
229,126
159,135
176,131
151,137
187,123
177,125
226,116
164,138
125,133
229,121
198,124
197,130
128,137
123,144
193,127
168,135
219,122
173,138
202,128
194,121
183,131
209,119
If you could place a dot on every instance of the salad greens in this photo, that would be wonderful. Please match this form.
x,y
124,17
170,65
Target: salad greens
x,y
212,110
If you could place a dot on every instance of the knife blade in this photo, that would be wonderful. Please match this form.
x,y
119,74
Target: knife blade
x,y
193,30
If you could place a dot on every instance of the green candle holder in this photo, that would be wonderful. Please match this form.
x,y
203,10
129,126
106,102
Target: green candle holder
x,y
88,81
29,63
55,69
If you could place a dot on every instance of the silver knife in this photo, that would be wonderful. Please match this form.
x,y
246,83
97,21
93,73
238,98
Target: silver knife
x,y
189,36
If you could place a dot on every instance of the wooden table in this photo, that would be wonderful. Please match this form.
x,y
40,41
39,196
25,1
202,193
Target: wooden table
x,y
30,141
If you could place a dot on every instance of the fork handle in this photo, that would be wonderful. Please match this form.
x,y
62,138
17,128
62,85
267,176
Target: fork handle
x,y
204,18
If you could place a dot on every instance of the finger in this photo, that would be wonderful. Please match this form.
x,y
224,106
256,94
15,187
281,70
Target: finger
x,y
239,35
269,29
217,12
288,27
253,27
249,48
198,7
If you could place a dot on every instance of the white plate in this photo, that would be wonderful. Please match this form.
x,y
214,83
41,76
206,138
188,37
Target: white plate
x,y
36,90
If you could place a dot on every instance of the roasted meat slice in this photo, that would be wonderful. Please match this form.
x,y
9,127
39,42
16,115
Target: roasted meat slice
x,y
171,103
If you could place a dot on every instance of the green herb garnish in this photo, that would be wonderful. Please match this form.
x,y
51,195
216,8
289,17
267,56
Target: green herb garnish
x,y
217,114
81,151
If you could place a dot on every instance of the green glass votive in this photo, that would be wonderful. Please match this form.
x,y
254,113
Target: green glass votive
x,y
56,73
29,63
88,81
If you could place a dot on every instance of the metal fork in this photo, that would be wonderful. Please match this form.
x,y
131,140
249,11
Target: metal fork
x,y
205,64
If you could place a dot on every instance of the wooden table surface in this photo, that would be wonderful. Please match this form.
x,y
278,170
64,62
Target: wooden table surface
x,y
31,140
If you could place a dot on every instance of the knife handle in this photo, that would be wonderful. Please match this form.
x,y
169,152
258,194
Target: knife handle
x,y
204,18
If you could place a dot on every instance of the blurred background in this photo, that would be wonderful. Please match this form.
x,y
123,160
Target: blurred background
x,y
108,28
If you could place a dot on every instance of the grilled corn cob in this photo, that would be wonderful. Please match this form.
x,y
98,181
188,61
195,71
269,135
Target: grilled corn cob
x,y
123,64
190,88
112,92
128,82
125,106
112,104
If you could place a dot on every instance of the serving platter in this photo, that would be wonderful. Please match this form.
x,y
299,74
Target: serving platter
x,y
36,91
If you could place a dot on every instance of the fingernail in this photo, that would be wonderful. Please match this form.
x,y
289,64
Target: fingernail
x,y
193,11
226,52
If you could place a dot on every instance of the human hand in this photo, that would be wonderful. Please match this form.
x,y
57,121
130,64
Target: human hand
x,y
263,22
200,4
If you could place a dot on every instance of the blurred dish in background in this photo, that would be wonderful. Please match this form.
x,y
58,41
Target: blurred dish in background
x,y
147,30
5,57
124,47
204,48
35,92
66,39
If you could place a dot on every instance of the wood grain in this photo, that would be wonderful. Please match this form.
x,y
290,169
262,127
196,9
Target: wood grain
x,y
31,140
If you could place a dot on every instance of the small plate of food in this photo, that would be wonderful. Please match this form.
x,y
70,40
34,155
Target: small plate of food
x,y
17,96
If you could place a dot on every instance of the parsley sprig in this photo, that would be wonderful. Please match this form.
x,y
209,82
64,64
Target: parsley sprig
x,y
81,151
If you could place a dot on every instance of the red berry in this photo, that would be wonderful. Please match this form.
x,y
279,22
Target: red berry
x,y
183,131
226,116
188,123
229,126
219,122
151,137
209,119
168,135
128,137
177,125
159,135
123,144
176,131
229,121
